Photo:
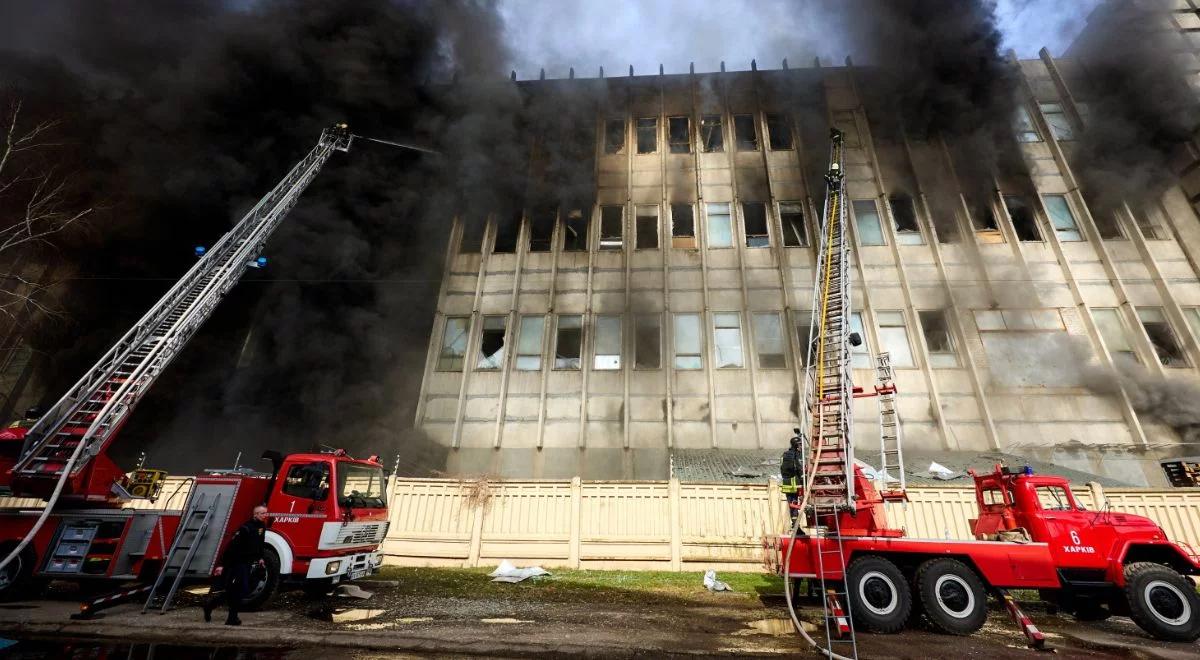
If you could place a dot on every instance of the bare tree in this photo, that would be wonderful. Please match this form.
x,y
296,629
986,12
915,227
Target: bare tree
x,y
35,205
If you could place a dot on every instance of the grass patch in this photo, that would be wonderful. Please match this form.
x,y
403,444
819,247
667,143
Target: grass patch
x,y
565,584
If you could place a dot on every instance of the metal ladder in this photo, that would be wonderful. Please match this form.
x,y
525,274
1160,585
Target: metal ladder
x,y
839,621
96,406
891,456
828,386
192,528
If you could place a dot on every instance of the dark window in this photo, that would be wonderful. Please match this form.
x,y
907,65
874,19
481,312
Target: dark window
x,y
646,222
745,132
310,481
507,234
575,231
541,229
1106,219
1024,222
754,215
679,135
612,227
779,132
903,213
472,233
647,135
984,216
792,216
683,226
614,136
569,342
711,134
647,346
1166,346
491,342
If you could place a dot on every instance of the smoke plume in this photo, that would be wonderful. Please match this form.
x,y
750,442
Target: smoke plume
x,y
1139,108
187,113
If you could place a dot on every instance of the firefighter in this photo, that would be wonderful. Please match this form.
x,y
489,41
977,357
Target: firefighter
x,y
791,469
241,556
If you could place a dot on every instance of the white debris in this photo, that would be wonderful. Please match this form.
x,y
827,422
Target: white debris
x,y
353,591
506,572
941,472
713,584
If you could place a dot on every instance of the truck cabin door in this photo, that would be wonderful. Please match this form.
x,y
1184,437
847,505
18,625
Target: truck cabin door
x,y
1068,529
302,505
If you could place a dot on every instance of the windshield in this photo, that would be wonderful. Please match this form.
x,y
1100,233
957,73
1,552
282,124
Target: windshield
x,y
360,486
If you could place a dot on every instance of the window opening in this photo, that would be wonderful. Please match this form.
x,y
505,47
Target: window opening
x,y
472,234
745,132
1024,222
711,134
647,135
491,343
646,221
612,226
541,230
614,136
904,214
754,214
779,132
938,339
679,135
1170,354
791,215
569,342
575,231
683,226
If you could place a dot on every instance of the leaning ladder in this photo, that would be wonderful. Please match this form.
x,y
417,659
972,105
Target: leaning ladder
x,y
891,455
192,528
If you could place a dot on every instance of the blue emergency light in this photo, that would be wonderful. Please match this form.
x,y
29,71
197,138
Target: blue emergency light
x,y
200,250
1029,470
260,262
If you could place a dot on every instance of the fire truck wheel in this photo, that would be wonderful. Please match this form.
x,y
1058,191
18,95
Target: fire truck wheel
x,y
952,595
265,584
1162,602
880,600
16,579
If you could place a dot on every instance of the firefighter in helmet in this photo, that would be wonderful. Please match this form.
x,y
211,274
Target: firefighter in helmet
x,y
791,469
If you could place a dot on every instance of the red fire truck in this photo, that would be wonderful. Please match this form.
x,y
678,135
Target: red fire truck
x,y
327,509
1031,532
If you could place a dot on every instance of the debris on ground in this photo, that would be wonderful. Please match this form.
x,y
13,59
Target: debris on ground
x,y
713,584
506,572
353,591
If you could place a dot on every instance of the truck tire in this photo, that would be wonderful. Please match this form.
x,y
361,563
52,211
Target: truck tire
x,y
880,600
16,579
262,589
952,596
1162,602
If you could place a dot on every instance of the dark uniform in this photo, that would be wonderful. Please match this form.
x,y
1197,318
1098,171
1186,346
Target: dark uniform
x,y
244,552
791,469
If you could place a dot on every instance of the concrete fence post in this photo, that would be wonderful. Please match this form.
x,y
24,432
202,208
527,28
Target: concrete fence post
x,y
576,522
477,513
673,505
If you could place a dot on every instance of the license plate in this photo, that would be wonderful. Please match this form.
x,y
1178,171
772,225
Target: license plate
x,y
358,573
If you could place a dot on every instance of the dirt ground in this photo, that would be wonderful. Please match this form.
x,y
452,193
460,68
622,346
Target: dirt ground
x,y
456,613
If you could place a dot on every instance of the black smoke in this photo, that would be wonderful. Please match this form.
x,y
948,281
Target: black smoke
x,y
185,114
1139,108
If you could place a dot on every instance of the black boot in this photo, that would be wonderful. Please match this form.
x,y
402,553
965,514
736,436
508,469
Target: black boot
x,y
232,621
208,613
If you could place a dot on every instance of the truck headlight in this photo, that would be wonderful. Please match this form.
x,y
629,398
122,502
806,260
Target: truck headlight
x,y
332,567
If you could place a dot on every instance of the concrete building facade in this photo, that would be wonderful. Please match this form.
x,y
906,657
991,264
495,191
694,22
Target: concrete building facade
x,y
670,314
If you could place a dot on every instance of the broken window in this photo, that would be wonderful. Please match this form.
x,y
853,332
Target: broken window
x,y
647,341
860,356
904,214
688,344
1026,131
568,342
1170,354
1148,220
754,215
984,217
454,343
1112,331
807,333
727,340
614,136
472,234
893,338
612,225
647,135
768,341
608,343
745,132
507,235
1106,220
720,229
791,216
779,132
1061,218
541,229
938,339
1060,126
683,227
866,220
575,231
529,343
1023,220
679,135
712,136
491,343
647,227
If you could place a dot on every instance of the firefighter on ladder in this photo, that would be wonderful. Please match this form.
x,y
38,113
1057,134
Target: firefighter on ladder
x,y
243,554
791,470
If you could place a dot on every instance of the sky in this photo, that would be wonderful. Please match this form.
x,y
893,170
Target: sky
x,y
588,34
